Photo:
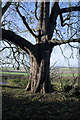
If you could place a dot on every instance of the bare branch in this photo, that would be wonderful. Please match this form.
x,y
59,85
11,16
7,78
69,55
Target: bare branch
x,y
41,15
16,39
40,22
73,46
5,7
54,14
53,18
63,53
36,6
25,23
46,17
6,48
69,9
61,18
55,42
44,21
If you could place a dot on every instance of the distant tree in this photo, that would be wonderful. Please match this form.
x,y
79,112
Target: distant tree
x,y
46,21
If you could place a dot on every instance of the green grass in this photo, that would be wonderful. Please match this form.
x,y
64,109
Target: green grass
x,y
18,73
14,73
63,74
17,83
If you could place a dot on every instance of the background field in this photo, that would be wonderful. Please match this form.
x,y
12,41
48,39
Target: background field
x,y
61,70
58,76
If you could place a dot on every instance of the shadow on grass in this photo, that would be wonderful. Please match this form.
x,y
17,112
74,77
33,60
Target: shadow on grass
x,y
36,106
8,86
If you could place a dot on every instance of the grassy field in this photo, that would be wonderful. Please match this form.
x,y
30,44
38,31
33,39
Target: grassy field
x,y
59,71
17,104
14,73
18,73
59,76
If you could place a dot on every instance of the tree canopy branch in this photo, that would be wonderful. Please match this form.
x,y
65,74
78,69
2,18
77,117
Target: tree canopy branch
x,y
5,7
36,7
53,18
16,39
57,11
25,23
69,9
55,42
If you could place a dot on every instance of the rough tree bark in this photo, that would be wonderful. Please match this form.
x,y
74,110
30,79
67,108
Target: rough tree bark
x,y
39,69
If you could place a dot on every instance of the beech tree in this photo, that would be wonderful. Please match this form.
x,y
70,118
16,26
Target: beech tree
x,y
39,54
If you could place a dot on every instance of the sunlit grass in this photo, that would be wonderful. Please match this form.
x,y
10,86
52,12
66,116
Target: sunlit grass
x,y
14,73
25,73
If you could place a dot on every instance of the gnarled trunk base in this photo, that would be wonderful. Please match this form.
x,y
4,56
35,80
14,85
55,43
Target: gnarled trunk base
x,y
39,72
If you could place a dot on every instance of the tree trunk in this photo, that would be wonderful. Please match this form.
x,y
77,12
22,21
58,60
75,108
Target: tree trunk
x,y
39,69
